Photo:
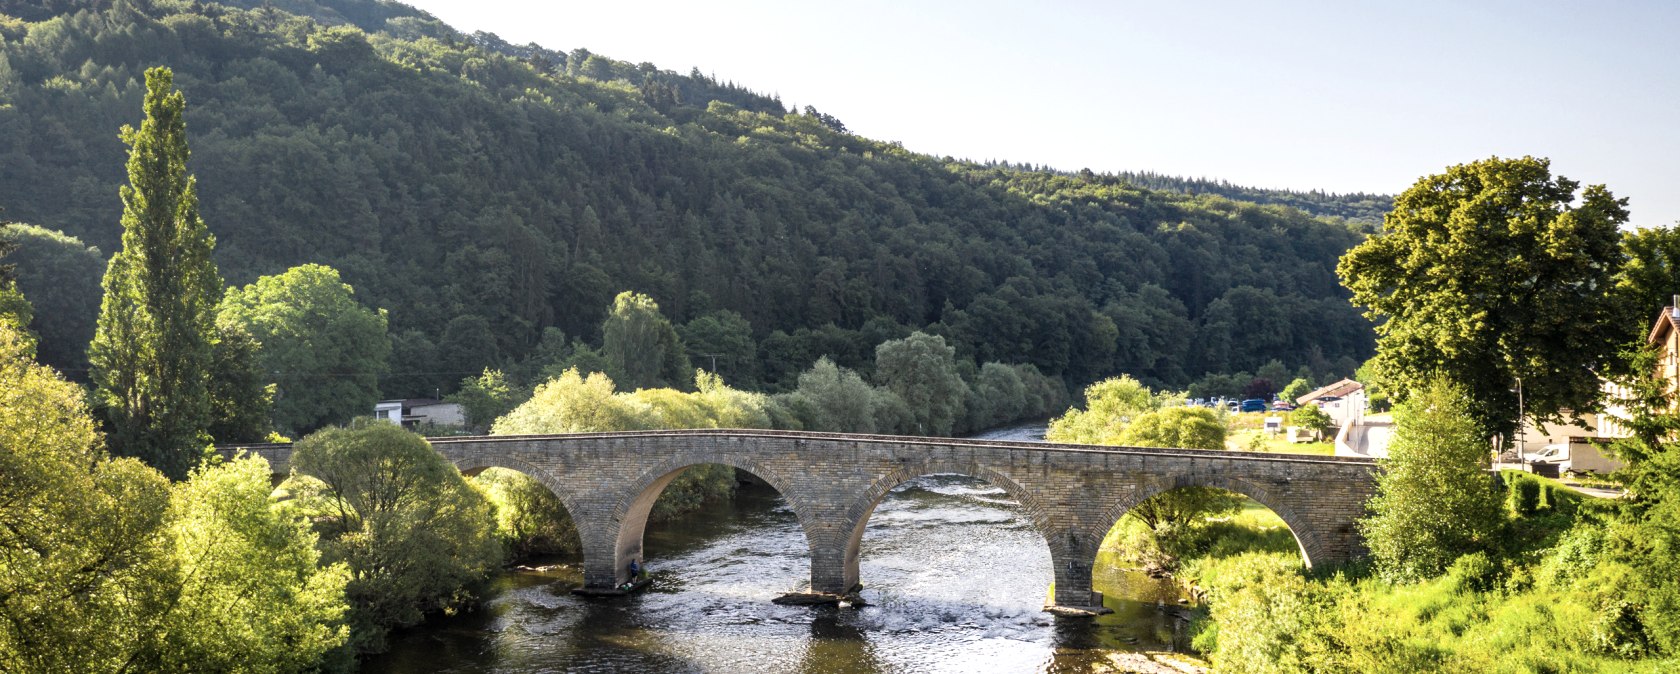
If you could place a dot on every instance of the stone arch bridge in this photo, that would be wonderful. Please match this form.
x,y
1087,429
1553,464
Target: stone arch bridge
x,y
1072,494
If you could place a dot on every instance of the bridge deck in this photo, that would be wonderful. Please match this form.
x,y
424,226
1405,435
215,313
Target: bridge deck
x,y
907,440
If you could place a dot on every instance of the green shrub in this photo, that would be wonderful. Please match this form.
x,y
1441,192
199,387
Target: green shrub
x,y
530,520
415,535
1525,495
1435,500
1267,614
1578,552
1617,630
1475,572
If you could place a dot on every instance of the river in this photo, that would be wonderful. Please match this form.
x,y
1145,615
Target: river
x,y
955,579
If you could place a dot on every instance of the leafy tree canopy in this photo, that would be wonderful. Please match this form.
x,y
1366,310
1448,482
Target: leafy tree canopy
x,y
1491,272
153,343
415,536
1435,500
1110,406
201,575
59,275
323,349
641,346
921,369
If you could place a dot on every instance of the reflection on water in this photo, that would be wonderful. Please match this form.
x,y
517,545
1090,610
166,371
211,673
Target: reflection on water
x,y
955,576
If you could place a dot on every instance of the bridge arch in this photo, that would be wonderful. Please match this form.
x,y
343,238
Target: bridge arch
x,y
630,511
474,465
1306,537
471,466
863,507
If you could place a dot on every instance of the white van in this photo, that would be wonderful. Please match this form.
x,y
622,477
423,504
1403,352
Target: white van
x,y
1579,457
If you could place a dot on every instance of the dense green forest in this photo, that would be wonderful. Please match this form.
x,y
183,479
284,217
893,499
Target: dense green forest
x,y
482,193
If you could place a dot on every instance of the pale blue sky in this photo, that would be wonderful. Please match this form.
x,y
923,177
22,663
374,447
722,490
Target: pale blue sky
x,y
1342,96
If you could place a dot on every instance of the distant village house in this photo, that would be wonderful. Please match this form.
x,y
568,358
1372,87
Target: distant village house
x,y
411,412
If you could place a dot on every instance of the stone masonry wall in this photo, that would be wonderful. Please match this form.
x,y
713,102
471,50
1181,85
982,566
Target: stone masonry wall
x,y
1073,494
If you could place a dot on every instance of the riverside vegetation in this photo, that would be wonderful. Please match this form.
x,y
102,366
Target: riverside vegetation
x,y
1464,575
858,286
375,531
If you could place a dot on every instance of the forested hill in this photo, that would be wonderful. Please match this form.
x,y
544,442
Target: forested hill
x,y
1362,209
482,192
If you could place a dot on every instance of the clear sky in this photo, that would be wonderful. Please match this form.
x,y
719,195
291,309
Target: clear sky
x,y
1344,96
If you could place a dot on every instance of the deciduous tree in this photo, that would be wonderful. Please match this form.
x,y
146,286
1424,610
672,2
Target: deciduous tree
x,y
249,593
14,309
726,337
840,400
1435,500
153,345
484,399
1648,279
1110,406
1491,272
107,568
1179,427
1645,528
77,529
415,536
241,395
571,403
60,277
922,370
641,347
323,349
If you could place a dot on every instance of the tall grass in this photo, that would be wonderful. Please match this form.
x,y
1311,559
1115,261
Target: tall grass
x,y
1549,601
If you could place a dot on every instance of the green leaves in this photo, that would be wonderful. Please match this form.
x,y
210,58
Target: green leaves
x,y
922,371
252,595
1435,500
152,346
106,567
1490,273
641,347
414,535
324,350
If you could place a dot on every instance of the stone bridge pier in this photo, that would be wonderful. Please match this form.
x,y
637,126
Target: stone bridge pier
x,y
1071,494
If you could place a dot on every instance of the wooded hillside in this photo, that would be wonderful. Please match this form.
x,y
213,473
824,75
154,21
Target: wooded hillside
x,y
481,192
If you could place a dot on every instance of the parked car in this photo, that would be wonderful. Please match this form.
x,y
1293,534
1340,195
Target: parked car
x,y
1281,406
1253,405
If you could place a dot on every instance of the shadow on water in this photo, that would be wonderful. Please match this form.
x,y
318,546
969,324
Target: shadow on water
x,y
955,576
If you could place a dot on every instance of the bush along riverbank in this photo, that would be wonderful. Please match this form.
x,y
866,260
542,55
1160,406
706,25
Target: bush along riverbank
x,y
1547,598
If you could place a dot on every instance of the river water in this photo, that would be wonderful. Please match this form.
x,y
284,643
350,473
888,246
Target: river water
x,y
954,575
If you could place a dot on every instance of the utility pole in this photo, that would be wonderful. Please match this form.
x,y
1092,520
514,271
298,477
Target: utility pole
x,y
714,357
1523,458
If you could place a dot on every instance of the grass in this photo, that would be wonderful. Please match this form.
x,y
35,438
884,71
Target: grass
x,y
1256,440
1549,606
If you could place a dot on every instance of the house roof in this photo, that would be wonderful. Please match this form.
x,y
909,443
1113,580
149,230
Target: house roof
x,y
1338,389
1665,323
413,402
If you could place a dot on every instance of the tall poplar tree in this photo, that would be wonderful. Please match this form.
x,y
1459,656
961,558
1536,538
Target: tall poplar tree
x,y
151,355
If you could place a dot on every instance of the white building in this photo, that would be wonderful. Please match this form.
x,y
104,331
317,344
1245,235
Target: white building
x,y
1344,401
411,412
